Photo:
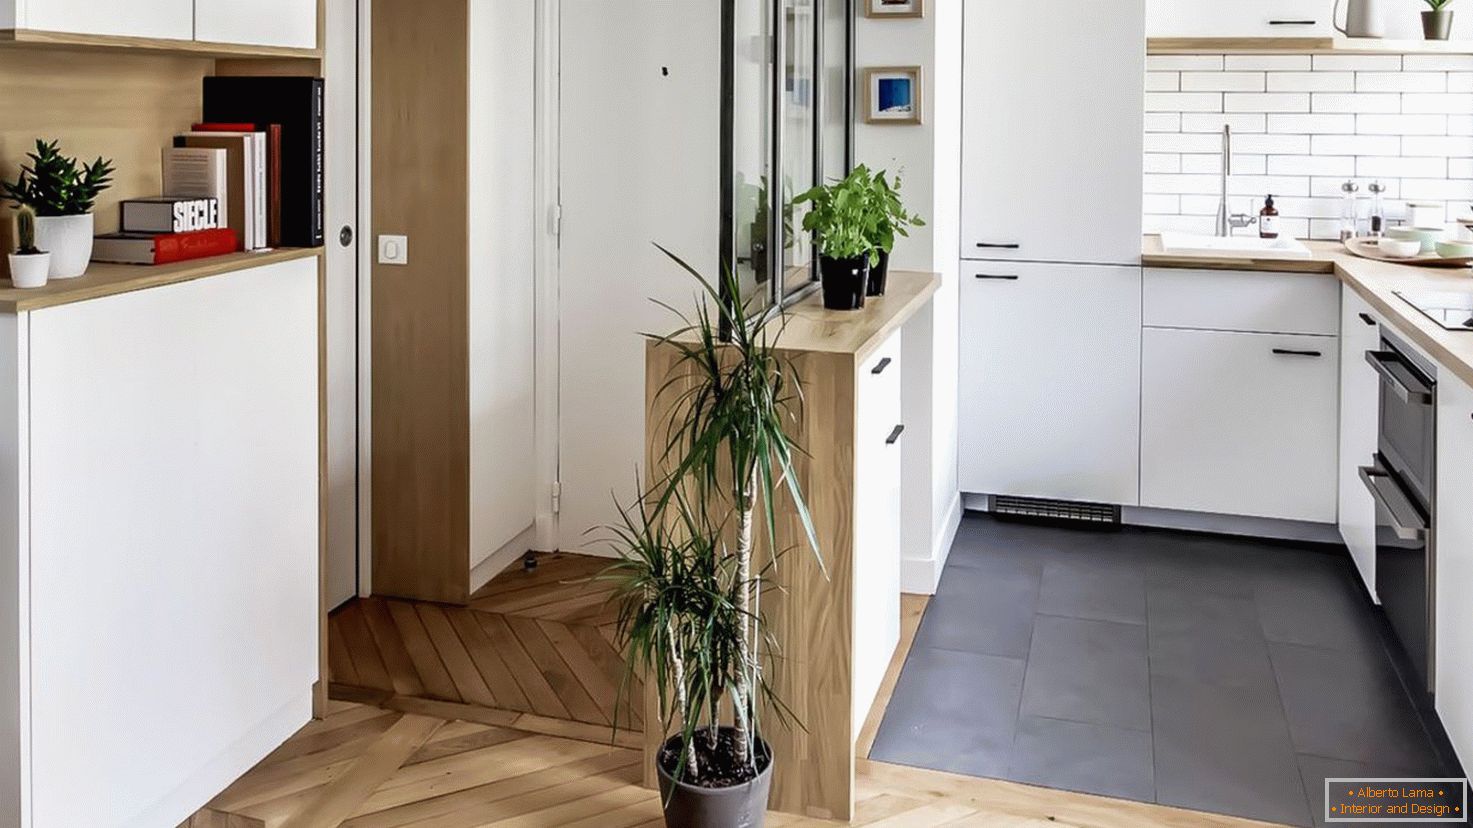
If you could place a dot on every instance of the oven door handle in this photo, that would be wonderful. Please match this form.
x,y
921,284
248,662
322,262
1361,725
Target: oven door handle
x,y
1383,361
1405,521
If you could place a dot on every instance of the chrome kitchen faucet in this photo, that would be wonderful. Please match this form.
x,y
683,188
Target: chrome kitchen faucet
x,y
1226,222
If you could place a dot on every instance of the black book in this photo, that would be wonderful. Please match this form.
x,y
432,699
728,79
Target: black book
x,y
296,103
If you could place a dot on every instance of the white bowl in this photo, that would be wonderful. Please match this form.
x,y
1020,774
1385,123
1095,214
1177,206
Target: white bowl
x,y
1400,248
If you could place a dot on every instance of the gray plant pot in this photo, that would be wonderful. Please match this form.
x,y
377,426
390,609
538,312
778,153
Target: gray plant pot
x,y
1437,25
691,806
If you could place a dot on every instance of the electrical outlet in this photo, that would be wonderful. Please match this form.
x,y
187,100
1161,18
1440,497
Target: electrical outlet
x,y
393,250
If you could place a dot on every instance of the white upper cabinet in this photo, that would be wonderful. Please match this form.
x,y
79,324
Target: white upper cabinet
x,y
165,19
1239,18
257,23
1053,130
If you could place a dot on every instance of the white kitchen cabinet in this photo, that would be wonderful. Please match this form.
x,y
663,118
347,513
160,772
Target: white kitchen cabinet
x,y
1239,18
1360,404
164,19
159,491
1239,423
257,23
1242,300
1454,568
1053,131
1050,381
879,442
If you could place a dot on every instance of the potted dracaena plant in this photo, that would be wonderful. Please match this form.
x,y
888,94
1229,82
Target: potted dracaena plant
x,y
1437,21
690,578
888,220
842,218
29,263
62,192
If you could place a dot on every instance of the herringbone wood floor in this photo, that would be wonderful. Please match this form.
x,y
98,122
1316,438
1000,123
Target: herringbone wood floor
x,y
534,641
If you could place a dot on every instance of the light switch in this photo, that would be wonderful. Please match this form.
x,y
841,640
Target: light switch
x,y
393,250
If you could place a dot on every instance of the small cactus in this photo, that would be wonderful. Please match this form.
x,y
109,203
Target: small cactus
x,y
25,231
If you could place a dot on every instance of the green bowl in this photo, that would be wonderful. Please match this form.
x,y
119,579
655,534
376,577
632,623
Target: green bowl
x,y
1455,249
1428,236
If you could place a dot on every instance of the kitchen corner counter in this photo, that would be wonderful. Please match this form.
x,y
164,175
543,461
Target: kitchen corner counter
x,y
1376,282
812,328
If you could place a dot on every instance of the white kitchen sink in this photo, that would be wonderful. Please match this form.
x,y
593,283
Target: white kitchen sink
x,y
1246,247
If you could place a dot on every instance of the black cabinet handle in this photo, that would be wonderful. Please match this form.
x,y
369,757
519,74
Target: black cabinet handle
x,y
1366,318
1292,22
1291,352
895,435
997,246
880,369
1004,277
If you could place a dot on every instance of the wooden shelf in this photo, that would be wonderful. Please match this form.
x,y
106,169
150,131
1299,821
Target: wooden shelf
x,y
111,279
1304,45
196,48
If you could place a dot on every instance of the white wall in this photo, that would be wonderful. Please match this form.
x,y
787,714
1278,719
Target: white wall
x,y
929,158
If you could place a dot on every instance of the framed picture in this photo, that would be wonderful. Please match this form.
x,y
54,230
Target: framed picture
x,y
894,8
892,95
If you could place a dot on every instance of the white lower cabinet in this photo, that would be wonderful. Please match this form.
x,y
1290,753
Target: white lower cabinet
x,y
1360,404
1239,423
879,443
1453,536
1050,381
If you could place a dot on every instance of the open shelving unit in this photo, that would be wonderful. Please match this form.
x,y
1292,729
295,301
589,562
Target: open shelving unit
x,y
1304,45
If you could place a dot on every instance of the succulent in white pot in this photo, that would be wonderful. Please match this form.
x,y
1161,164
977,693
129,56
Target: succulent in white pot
x,y
28,264
62,193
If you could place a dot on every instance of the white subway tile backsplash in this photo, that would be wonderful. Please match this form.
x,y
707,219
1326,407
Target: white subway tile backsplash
x,y
1222,81
1311,81
1181,224
1311,124
1163,81
1265,102
1302,126
1282,63
1401,81
1214,121
1356,102
1183,101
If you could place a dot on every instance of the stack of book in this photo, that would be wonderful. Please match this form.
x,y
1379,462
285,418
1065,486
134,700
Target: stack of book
x,y
164,230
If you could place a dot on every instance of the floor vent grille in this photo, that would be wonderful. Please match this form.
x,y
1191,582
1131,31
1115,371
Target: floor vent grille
x,y
1098,514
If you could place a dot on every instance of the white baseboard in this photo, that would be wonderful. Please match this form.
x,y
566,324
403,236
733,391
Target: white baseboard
x,y
920,576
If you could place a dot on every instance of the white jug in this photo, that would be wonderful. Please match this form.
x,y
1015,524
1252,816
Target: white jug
x,y
1363,18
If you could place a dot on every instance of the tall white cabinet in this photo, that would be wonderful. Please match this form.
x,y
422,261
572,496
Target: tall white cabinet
x,y
1050,325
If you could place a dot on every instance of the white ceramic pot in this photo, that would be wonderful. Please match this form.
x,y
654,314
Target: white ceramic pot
x,y
69,241
29,271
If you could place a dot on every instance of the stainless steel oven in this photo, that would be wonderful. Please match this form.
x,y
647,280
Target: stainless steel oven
x,y
1402,479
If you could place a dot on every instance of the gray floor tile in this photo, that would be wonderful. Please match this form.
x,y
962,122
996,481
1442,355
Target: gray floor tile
x,y
1348,706
952,711
1225,750
1208,638
1074,756
1088,671
1316,607
1316,769
1103,591
985,610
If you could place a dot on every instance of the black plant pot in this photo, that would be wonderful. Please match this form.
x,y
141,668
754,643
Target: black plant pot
x,y
877,274
844,281
692,806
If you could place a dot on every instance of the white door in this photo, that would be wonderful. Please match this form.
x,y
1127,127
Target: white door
x,y
639,157
341,67
1050,381
1053,129
258,22
1239,423
168,19
1360,403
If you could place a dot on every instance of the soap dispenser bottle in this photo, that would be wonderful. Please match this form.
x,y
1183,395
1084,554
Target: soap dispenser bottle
x,y
1268,220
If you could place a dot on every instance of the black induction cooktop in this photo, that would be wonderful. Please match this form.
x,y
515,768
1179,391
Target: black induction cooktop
x,y
1453,311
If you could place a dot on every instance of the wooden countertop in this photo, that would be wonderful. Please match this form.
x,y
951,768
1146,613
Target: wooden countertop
x,y
811,328
110,279
1376,282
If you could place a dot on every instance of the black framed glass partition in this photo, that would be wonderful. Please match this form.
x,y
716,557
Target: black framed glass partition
x,y
787,106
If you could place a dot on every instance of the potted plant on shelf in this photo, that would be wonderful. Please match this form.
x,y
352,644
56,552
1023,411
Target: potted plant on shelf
x,y
890,219
690,578
28,264
62,192
1437,22
842,217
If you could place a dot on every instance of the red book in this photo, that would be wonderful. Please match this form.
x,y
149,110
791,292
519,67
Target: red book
x,y
163,248
273,169
216,126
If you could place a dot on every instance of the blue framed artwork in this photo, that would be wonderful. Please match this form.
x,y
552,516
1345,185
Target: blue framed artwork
x,y
893,95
